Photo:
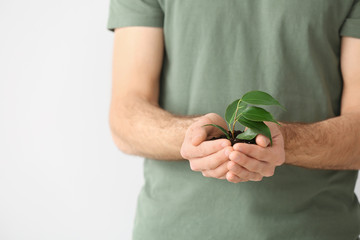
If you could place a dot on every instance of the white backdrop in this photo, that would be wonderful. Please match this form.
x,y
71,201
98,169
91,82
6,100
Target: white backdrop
x,y
61,176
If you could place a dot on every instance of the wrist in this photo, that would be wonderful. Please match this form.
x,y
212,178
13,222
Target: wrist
x,y
284,129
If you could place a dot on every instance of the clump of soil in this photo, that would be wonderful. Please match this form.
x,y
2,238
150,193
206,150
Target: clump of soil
x,y
235,140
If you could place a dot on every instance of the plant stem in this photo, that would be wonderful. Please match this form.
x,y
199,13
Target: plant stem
x,y
233,127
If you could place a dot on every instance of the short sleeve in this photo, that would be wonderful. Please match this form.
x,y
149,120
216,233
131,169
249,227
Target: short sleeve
x,y
351,26
124,13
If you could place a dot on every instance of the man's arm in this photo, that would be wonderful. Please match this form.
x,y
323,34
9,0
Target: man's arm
x,y
330,144
138,125
333,143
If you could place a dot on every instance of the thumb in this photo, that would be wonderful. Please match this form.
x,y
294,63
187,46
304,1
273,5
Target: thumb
x,y
262,141
198,136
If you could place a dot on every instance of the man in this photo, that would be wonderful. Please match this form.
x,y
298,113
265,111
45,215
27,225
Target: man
x,y
178,64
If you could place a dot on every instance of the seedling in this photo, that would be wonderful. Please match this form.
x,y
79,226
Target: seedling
x,y
249,116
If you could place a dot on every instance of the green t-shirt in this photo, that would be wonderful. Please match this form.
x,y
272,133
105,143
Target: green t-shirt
x,y
215,51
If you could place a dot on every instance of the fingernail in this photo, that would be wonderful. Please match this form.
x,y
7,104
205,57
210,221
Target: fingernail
x,y
224,144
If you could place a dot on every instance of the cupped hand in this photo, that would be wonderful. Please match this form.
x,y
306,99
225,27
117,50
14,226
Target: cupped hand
x,y
253,162
209,157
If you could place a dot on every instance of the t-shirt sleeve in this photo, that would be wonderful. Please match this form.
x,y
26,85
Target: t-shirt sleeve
x,y
351,26
124,13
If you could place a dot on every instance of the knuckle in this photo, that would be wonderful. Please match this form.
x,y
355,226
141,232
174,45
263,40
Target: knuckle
x,y
258,168
269,173
280,159
245,174
217,160
212,117
279,162
233,180
201,151
207,165
214,174
233,168
241,180
236,169
243,160
183,152
212,164
194,166
237,157
189,132
257,178
219,174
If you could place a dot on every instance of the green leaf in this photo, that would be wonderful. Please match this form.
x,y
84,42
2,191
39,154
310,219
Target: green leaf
x,y
258,114
260,98
247,135
219,127
258,127
231,111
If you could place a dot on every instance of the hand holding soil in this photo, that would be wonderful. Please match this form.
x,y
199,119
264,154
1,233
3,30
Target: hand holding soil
x,y
255,161
233,154
209,157
240,163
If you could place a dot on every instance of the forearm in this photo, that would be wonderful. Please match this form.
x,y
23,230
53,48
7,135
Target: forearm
x,y
330,144
143,129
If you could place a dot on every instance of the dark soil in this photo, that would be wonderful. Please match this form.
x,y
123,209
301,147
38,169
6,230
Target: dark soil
x,y
235,140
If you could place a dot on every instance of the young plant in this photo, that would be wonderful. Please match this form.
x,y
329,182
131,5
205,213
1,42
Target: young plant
x,y
251,117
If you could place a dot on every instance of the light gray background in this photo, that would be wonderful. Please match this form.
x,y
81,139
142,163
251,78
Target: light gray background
x,y
61,176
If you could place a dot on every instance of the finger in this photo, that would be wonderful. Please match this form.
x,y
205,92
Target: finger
x,y
207,148
200,132
198,135
253,150
252,164
270,155
262,141
243,173
211,161
231,177
218,172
